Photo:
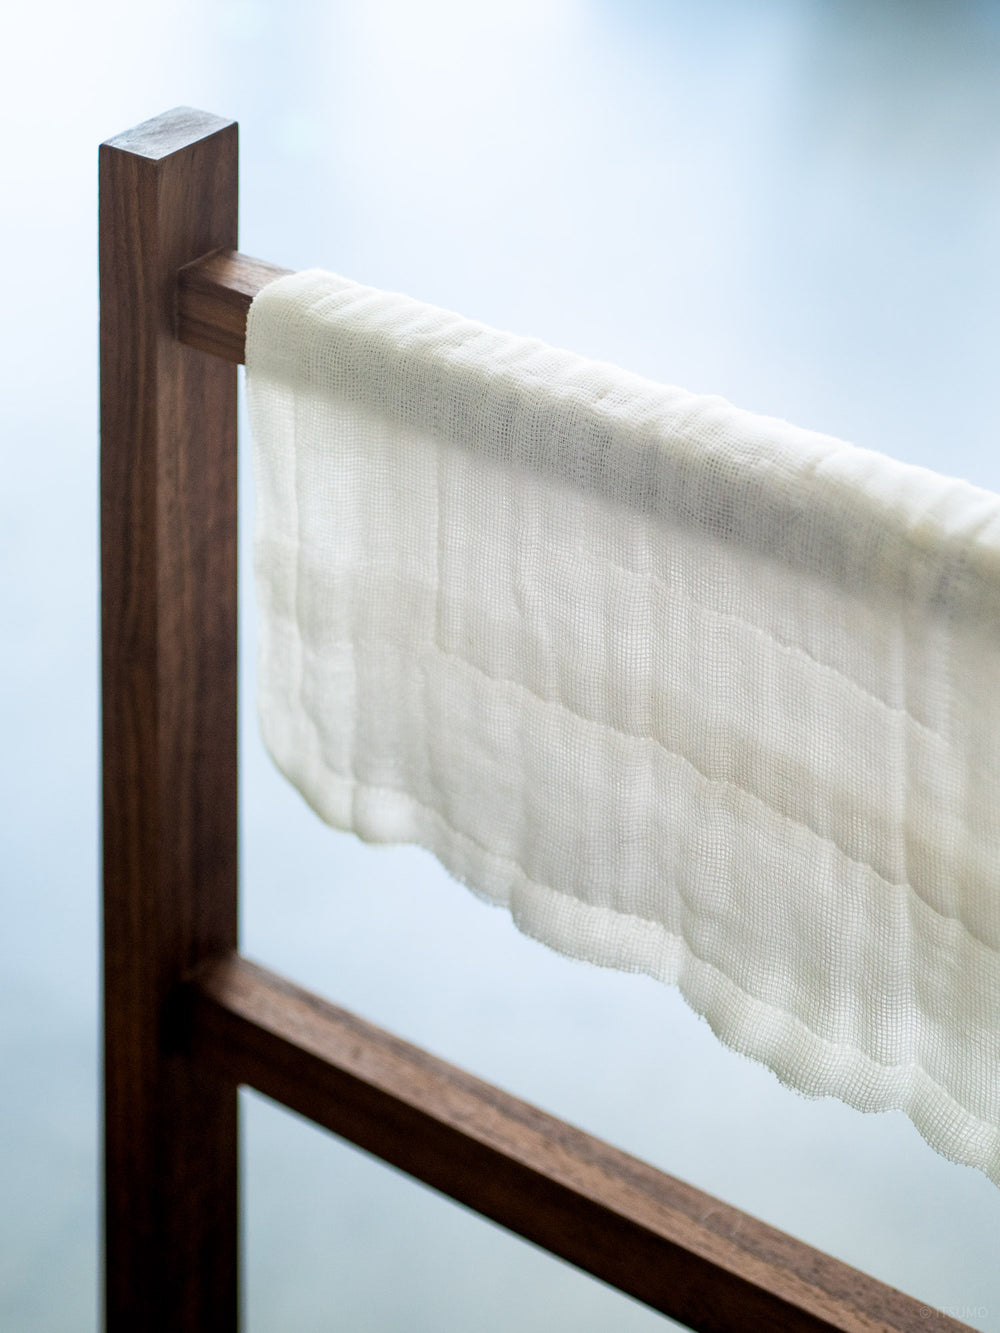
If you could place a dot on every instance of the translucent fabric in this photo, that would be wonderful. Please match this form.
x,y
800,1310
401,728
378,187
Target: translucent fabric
x,y
692,692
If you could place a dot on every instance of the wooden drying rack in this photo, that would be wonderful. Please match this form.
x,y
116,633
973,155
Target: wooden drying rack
x,y
187,1020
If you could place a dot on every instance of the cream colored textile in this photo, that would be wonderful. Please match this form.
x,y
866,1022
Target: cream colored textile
x,y
694,692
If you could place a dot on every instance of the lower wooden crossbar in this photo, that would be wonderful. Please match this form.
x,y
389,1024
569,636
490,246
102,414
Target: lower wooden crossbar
x,y
667,1244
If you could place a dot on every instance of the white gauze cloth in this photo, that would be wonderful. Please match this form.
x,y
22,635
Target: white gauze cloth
x,y
693,692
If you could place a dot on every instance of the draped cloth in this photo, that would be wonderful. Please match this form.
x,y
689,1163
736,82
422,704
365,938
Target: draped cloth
x,y
692,692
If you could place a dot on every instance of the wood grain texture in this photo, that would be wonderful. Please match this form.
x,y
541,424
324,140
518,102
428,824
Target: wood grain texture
x,y
168,192
683,1252
213,297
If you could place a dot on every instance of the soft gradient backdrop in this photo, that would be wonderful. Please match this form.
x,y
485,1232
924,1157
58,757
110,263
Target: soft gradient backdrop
x,y
789,202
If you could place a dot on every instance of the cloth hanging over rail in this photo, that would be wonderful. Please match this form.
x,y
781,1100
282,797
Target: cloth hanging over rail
x,y
693,692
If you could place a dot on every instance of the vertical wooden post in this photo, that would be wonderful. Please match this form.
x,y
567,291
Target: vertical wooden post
x,y
168,191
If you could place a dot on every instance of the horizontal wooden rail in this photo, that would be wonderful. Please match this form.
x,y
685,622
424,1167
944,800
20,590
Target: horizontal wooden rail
x,y
681,1251
213,296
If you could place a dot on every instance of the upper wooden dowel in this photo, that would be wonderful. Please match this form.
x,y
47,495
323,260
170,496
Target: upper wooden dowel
x,y
213,297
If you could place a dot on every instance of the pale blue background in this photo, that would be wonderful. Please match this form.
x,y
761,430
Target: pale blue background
x,y
792,203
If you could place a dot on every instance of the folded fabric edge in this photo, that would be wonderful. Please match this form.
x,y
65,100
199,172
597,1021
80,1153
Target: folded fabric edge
x,y
910,525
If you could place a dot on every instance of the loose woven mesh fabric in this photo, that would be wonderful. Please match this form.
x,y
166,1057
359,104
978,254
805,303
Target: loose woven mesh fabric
x,y
693,692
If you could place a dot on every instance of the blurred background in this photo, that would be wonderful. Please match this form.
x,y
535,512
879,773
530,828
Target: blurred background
x,y
789,202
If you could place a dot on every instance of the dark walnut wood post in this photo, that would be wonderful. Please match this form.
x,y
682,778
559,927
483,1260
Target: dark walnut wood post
x,y
168,192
